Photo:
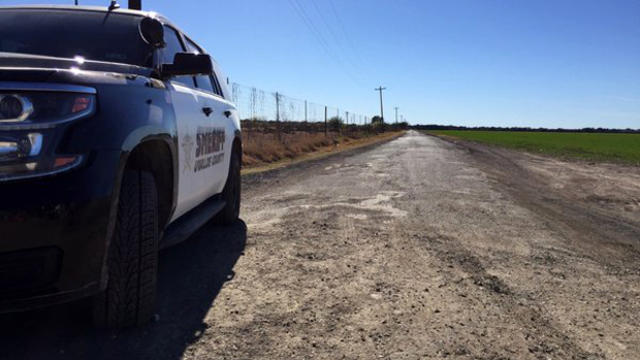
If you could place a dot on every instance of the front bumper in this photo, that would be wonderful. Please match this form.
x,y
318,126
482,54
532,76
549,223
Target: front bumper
x,y
54,234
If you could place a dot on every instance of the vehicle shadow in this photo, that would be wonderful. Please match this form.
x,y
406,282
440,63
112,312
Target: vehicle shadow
x,y
191,276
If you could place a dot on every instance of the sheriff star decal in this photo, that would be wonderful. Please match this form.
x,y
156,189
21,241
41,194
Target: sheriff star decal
x,y
206,151
188,150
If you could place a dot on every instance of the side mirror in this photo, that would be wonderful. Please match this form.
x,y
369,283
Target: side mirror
x,y
188,64
152,32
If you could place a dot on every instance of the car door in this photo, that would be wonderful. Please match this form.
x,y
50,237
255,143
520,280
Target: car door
x,y
217,138
194,185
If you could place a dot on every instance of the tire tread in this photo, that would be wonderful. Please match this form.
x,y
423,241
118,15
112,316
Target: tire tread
x,y
133,257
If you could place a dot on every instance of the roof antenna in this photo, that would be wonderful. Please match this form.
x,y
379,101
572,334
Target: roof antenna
x,y
114,5
135,4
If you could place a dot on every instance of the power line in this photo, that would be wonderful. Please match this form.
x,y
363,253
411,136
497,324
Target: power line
x,y
344,31
309,23
300,12
337,56
333,34
335,37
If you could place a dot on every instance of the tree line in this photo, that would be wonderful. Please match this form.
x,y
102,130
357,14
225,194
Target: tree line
x,y
496,128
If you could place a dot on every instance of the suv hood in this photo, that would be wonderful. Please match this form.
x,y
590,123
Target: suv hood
x,y
22,61
35,68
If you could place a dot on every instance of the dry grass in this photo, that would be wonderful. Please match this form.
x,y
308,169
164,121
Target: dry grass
x,y
264,148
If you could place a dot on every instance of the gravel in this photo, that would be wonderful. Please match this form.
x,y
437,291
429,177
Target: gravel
x,y
417,248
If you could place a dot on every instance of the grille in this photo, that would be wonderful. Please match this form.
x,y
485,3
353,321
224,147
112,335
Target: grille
x,y
29,272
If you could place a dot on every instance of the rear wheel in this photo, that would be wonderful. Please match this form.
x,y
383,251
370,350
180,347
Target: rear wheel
x,y
231,193
133,256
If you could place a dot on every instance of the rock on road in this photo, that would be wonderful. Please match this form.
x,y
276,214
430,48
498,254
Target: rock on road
x,y
417,248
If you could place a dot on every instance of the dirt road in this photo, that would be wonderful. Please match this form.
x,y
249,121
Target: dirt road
x,y
418,248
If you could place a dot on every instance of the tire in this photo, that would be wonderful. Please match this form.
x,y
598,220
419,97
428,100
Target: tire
x,y
231,193
129,299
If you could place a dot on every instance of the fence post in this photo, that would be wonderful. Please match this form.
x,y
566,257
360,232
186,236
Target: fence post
x,y
325,121
277,106
278,116
347,121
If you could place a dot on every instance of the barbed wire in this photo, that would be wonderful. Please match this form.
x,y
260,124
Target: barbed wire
x,y
257,104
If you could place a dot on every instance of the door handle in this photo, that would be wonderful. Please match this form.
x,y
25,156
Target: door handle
x,y
207,110
227,113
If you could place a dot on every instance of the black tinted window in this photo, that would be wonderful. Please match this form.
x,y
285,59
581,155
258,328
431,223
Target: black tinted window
x,y
202,81
62,33
174,45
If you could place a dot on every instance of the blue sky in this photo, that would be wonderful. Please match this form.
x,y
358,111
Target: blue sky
x,y
464,62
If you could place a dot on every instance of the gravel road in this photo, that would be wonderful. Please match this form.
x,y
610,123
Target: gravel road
x,y
417,248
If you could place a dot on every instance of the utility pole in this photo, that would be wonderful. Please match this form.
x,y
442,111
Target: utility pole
x,y
305,111
396,108
380,89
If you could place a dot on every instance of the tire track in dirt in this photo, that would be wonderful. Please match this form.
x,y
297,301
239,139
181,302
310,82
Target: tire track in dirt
x,y
575,219
466,274
590,237
544,337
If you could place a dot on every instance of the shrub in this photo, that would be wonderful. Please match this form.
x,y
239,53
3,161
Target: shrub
x,y
335,123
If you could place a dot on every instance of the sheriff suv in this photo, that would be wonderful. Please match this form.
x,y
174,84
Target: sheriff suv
x,y
117,139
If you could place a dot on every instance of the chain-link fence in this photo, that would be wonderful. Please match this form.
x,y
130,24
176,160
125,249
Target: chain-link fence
x,y
256,105
276,126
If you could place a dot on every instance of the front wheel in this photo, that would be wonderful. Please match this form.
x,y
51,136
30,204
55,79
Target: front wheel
x,y
231,193
132,261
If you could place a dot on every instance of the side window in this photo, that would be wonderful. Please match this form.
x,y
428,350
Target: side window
x,y
203,82
174,45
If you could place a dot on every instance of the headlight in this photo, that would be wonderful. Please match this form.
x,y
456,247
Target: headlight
x,y
42,109
31,116
14,108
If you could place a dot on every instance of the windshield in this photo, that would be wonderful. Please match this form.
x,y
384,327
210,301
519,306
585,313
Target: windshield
x,y
92,35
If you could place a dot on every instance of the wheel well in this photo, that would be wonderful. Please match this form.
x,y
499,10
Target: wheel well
x,y
154,156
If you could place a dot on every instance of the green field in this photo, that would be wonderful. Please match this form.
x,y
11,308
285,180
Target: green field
x,y
588,146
